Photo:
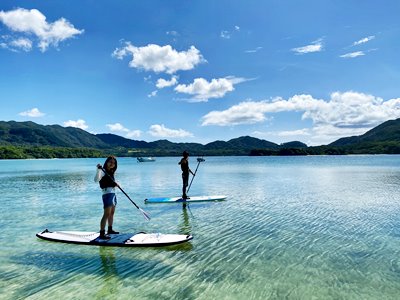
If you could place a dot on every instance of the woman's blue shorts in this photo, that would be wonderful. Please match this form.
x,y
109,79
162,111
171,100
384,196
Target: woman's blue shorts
x,y
109,199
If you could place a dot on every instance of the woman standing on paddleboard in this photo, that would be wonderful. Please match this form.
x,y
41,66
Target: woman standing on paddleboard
x,y
185,173
107,185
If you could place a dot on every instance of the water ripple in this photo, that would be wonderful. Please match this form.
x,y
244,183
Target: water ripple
x,y
291,228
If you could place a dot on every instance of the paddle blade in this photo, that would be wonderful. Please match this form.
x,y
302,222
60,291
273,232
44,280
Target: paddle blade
x,y
145,214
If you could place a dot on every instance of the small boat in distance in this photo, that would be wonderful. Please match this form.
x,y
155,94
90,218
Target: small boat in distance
x,y
200,159
145,159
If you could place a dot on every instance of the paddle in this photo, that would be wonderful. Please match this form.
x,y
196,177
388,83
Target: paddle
x,y
199,161
145,215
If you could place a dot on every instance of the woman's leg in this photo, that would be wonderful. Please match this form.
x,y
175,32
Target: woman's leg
x,y
106,215
184,185
110,218
110,222
183,191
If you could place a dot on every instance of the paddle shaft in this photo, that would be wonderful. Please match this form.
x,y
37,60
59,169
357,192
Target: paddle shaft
x,y
128,197
105,172
193,177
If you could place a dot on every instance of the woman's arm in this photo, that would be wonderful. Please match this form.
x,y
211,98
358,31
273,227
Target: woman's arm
x,y
99,174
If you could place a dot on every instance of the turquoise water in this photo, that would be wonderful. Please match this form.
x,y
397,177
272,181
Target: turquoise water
x,y
318,227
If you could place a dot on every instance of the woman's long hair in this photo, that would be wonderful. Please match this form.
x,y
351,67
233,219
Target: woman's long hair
x,y
112,171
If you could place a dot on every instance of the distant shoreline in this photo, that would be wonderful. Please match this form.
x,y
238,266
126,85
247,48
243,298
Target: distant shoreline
x,y
22,140
48,152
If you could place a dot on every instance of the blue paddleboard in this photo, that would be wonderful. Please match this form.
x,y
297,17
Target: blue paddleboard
x,y
179,199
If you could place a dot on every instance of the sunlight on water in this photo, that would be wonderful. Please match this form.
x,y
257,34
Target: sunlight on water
x,y
291,228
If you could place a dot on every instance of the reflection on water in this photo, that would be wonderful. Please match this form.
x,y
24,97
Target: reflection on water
x,y
73,182
110,273
184,225
291,228
107,257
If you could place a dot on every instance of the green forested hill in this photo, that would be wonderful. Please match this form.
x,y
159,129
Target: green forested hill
x,y
384,138
238,146
31,140
388,131
248,143
32,134
119,141
294,144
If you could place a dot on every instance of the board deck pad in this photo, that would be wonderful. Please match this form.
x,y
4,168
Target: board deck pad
x,y
179,199
140,239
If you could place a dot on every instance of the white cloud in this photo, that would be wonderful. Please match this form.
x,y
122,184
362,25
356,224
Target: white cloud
x,y
347,113
160,58
202,90
162,132
315,136
118,127
134,134
325,134
22,43
349,109
173,33
33,113
353,54
315,46
79,124
364,40
34,22
248,112
152,94
225,34
299,132
253,50
162,83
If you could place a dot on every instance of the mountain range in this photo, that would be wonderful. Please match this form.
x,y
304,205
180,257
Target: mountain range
x,y
34,140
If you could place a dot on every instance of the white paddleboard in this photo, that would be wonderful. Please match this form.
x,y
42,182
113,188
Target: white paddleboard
x,y
191,199
140,239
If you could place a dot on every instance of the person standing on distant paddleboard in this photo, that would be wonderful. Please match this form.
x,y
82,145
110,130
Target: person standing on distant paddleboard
x,y
107,185
185,173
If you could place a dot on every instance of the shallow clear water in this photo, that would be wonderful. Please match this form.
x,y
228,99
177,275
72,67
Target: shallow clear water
x,y
317,227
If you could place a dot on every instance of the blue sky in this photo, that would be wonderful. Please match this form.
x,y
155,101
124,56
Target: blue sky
x,y
199,71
